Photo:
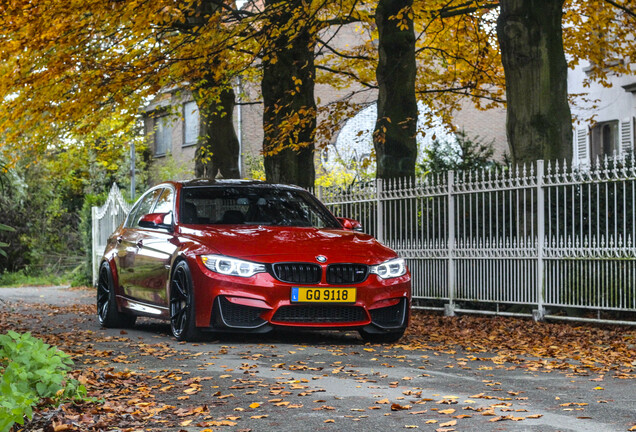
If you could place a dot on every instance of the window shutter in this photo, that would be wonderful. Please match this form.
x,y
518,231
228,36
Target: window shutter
x,y
627,136
582,146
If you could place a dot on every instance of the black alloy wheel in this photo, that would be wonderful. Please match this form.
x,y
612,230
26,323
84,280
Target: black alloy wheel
x,y
107,312
182,311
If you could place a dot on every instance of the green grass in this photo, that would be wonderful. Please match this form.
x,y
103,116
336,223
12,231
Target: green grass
x,y
21,278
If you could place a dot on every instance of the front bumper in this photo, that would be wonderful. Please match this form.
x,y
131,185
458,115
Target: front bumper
x,y
261,303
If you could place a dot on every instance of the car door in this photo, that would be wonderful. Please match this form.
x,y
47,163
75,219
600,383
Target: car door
x,y
155,248
128,244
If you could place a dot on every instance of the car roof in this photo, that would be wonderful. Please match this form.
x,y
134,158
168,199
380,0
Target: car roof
x,y
202,182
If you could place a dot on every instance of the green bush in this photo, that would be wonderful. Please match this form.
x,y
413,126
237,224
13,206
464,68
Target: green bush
x,y
2,244
31,371
462,155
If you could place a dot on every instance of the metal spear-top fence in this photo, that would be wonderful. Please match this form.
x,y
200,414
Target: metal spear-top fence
x,y
534,241
106,219
548,240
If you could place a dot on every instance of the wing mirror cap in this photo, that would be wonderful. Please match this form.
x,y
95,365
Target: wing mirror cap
x,y
156,220
350,224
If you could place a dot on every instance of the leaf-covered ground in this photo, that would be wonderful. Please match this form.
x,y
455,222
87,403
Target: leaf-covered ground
x,y
528,344
145,381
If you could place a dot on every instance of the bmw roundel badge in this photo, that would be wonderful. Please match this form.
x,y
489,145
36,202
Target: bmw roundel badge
x,y
321,258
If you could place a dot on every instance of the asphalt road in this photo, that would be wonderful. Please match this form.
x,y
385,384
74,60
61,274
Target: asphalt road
x,y
333,381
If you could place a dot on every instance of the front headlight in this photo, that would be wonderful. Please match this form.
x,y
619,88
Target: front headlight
x,y
389,269
232,266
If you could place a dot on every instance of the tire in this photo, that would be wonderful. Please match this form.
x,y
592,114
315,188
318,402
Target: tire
x,y
389,337
107,312
182,309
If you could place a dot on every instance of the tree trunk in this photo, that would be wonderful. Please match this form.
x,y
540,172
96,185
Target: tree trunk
x,y
396,127
539,122
218,148
289,115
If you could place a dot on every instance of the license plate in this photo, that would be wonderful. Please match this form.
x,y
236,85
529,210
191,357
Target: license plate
x,y
323,295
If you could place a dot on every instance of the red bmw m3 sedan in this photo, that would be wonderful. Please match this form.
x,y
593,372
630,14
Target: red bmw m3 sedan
x,y
249,256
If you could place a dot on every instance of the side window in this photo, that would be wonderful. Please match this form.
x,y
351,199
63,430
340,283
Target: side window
x,y
164,203
131,215
143,208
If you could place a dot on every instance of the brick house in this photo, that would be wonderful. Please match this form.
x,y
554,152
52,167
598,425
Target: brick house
x,y
172,122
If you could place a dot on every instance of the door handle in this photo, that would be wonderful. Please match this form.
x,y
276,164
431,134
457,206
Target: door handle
x,y
140,244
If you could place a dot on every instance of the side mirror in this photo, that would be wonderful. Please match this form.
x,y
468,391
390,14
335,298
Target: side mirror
x,y
350,224
156,220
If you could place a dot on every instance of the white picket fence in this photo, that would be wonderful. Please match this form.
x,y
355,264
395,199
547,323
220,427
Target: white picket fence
x,y
105,220
547,240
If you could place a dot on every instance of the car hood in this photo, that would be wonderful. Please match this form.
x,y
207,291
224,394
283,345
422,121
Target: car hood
x,y
283,244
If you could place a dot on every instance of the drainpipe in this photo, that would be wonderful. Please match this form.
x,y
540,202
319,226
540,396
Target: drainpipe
x,y
132,170
239,127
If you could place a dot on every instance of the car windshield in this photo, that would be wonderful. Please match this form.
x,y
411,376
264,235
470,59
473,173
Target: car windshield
x,y
253,206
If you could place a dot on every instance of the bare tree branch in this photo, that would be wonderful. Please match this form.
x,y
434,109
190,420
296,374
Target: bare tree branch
x,y
341,54
465,9
345,73
623,8
464,90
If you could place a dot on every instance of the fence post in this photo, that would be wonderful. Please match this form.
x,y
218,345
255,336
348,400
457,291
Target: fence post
x,y
449,308
379,209
94,243
539,312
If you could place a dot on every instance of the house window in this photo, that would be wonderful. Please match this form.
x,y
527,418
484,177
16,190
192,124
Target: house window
x,y
163,135
191,123
604,139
